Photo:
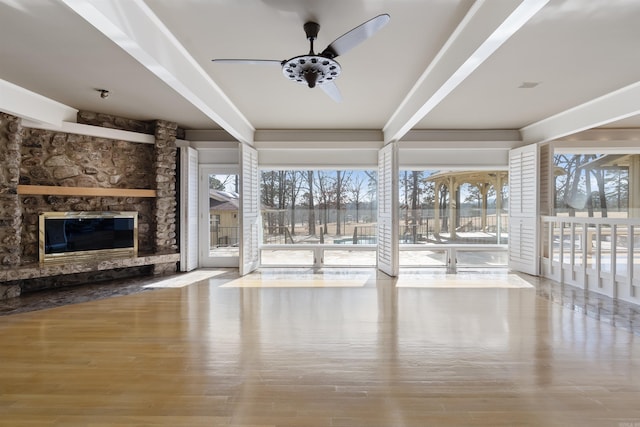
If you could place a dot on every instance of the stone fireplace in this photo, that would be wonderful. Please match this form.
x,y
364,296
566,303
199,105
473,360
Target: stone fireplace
x,y
51,171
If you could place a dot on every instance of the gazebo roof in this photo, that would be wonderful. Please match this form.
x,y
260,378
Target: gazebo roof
x,y
471,177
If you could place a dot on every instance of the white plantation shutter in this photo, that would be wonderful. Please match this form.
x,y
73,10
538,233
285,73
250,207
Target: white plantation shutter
x,y
523,209
546,180
387,209
250,210
188,209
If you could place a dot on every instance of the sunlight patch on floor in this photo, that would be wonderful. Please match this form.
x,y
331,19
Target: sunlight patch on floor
x,y
259,281
186,279
463,281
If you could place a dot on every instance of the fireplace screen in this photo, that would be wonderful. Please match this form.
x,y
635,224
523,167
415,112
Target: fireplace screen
x,y
80,235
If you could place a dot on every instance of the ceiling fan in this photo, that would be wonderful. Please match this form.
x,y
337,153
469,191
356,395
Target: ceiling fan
x,y
321,69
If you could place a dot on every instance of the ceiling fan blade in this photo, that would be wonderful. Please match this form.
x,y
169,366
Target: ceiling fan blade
x,y
332,90
353,38
250,61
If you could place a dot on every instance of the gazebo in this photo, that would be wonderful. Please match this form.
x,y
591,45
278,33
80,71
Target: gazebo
x,y
483,180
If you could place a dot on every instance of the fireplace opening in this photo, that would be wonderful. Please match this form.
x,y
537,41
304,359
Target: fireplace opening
x,y
87,235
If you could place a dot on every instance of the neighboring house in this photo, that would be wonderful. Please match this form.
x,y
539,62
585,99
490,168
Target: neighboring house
x,y
223,214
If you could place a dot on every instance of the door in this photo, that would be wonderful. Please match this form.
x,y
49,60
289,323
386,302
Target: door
x,y
220,216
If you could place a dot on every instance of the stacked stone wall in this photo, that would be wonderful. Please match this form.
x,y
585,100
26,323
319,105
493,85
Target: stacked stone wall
x,y
165,174
122,123
71,160
114,122
10,212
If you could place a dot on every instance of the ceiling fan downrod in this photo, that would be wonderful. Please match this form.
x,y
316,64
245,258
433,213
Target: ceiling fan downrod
x,y
311,29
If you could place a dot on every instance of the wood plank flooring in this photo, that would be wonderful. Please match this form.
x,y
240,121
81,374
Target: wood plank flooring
x,y
370,355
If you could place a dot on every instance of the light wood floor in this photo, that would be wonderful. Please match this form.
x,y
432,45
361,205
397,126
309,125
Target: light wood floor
x,y
359,352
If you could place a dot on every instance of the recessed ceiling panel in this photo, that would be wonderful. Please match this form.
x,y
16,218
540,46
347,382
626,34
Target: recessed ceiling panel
x,y
571,52
376,75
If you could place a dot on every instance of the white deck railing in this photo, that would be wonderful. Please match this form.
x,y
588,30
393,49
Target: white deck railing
x,y
598,254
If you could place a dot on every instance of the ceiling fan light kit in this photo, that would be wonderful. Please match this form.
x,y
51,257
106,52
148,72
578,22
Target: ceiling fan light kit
x,y
321,69
311,69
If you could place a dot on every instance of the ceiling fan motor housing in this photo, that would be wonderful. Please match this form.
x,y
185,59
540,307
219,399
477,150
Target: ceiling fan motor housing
x,y
311,70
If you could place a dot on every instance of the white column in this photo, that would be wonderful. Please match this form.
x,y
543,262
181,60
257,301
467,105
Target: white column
x,y
634,186
436,210
452,208
498,207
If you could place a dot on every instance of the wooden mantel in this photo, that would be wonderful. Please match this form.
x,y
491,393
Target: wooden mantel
x,y
53,190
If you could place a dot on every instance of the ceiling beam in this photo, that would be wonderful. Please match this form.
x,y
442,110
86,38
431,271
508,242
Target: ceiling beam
x,y
613,106
29,105
91,130
318,135
137,30
487,25
443,138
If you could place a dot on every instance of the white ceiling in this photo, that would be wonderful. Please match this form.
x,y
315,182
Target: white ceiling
x,y
436,65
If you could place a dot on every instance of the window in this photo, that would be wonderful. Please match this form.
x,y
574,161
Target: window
x,y
443,209
592,185
319,207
